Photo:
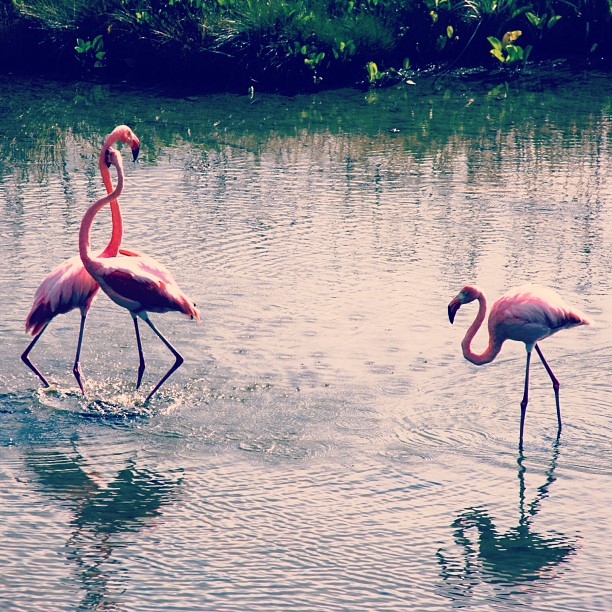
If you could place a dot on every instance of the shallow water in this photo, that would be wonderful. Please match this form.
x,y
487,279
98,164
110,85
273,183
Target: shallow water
x,y
325,446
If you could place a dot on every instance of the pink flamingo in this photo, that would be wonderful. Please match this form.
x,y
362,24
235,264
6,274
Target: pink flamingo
x,y
526,314
69,285
138,283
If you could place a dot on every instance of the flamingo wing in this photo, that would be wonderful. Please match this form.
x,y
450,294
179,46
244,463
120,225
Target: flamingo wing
x,y
143,290
66,287
138,285
149,265
531,313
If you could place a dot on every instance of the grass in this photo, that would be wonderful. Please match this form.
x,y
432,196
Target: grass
x,y
295,44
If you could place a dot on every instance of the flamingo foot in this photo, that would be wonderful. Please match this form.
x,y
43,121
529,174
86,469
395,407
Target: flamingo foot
x,y
77,374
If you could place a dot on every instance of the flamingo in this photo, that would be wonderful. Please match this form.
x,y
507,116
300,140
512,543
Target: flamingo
x,y
69,285
528,314
138,283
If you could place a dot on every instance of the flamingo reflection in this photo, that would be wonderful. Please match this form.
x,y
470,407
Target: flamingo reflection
x,y
518,555
102,513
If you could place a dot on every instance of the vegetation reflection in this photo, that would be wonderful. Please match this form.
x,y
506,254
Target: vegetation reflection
x,y
432,122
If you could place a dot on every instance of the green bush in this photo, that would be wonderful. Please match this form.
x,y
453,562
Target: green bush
x,y
294,43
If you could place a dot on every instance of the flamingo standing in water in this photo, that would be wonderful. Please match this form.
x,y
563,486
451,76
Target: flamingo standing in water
x,y
138,283
526,314
69,285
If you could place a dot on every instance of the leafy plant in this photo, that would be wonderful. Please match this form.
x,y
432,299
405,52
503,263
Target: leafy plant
x,y
403,74
313,58
506,51
343,49
91,52
543,22
373,73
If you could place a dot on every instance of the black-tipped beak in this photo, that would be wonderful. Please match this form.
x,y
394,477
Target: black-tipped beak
x,y
107,158
135,153
453,307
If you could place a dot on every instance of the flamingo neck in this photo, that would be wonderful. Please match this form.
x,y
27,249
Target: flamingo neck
x,y
112,248
494,346
88,217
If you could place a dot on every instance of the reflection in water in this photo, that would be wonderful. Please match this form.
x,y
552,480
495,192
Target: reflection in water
x,y
100,514
520,555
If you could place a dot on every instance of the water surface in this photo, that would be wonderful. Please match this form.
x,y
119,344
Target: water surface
x,y
325,446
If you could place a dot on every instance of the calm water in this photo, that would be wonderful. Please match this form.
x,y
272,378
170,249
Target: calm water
x,y
325,445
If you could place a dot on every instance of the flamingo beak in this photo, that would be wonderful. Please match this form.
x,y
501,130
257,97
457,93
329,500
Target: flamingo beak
x,y
135,152
107,158
453,307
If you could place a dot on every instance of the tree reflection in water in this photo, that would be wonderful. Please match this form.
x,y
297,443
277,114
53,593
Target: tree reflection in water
x,y
102,513
516,556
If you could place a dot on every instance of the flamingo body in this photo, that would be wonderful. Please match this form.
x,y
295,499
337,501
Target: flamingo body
x,y
69,285
529,313
140,284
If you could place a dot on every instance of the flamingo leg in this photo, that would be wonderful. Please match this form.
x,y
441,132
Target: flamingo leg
x,y
141,367
25,359
177,355
524,400
555,384
75,369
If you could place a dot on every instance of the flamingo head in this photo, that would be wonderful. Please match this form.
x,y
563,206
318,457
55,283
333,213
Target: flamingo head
x,y
468,294
131,139
125,134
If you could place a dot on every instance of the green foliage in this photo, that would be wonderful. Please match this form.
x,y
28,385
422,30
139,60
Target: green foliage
x,y
304,41
311,56
325,43
500,10
373,73
91,52
542,22
506,51
391,75
540,15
